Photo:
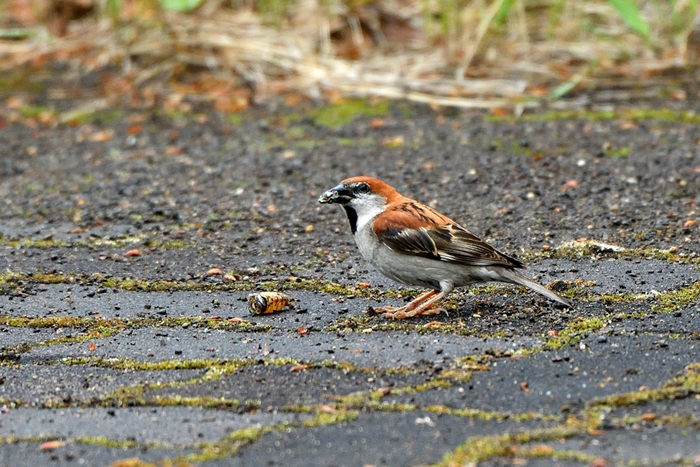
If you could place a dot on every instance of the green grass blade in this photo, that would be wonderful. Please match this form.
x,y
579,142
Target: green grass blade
x,y
180,5
630,14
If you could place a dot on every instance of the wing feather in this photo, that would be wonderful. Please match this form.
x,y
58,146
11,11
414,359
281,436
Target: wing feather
x,y
415,229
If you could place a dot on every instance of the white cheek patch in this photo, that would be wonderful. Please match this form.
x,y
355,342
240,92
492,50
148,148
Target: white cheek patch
x,y
367,209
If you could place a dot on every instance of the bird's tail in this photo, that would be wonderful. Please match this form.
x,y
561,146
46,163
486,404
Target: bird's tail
x,y
515,278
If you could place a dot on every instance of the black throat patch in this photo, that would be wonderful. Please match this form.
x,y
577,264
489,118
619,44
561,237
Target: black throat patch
x,y
352,217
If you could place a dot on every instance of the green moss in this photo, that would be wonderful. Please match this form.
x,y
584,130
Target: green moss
x,y
308,144
28,243
36,111
234,119
355,142
674,300
334,116
485,447
574,332
634,115
106,116
13,81
620,152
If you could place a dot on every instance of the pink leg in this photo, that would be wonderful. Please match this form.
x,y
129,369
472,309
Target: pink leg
x,y
421,305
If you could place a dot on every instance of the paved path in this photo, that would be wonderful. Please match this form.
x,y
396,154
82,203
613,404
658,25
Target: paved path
x,y
116,358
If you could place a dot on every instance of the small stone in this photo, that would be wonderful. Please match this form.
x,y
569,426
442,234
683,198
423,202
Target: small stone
x,y
602,339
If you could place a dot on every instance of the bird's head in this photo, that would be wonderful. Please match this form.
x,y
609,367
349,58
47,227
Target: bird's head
x,y
363,198
358,192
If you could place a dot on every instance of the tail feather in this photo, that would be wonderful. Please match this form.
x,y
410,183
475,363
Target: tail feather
x,y
515,278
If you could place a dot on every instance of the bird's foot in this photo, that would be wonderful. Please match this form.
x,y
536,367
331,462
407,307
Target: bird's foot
x,y
391,312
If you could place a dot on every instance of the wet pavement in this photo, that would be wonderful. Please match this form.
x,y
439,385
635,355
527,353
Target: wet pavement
x,y
129,247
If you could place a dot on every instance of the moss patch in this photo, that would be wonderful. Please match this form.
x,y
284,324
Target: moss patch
x,y
344,112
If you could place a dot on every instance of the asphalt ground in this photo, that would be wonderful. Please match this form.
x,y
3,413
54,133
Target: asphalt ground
x,y
131,240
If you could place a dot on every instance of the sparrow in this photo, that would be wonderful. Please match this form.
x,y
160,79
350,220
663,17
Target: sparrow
x,y
412,243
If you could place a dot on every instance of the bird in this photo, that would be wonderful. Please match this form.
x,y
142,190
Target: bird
x,y
414,244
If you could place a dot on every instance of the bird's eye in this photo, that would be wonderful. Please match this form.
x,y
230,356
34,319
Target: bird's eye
x,y
362,188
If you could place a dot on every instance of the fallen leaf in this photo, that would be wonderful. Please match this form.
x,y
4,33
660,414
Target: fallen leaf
x,y
364,285
102,136
302,367
595,432
525,387
134,130
235,320
385,391
393,142
230,278
499,111
434,324
569,184
92,346
302,331
553,333
598,463
647,417
49,445
327,409
134,252
213,272
689,223
542,449
376,123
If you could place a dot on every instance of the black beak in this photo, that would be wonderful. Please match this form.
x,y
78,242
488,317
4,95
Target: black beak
x,y
338,195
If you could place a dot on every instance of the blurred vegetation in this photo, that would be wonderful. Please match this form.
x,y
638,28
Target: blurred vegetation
x,y
553,45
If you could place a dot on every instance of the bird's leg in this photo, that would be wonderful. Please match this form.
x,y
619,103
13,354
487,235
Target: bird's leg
x,y
421,305
407,307
424,309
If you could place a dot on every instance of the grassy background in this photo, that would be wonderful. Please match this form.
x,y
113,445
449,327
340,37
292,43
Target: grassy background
x,y
432,50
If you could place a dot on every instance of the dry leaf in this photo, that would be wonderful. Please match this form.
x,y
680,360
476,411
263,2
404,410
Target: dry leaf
x,y
213,272
647,417
569,184
134,252
376,123
49,445
102,136
302,367
393,142
92,346
525,387
134,130
434,324
302,331
542,449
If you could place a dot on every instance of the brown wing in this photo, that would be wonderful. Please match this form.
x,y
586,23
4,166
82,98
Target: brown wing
x,y
432,235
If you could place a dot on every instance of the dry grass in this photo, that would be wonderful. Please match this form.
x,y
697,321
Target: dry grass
x,y
447,53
